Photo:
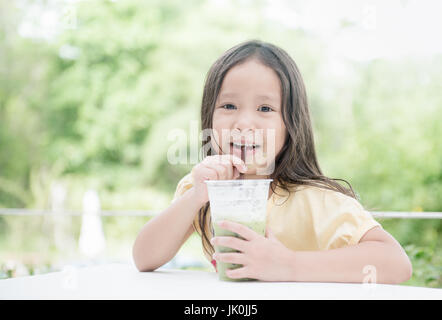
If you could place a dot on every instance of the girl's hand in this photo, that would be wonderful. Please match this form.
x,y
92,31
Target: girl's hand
x,y
217,167
265,259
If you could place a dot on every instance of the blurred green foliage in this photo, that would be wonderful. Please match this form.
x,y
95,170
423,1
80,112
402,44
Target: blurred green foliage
x,y
92,107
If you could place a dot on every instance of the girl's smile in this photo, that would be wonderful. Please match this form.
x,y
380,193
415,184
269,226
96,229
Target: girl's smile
x,y
249,150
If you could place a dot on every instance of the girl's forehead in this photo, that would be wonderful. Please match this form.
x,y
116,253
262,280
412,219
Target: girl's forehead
x,y
267,96
251,77
251,72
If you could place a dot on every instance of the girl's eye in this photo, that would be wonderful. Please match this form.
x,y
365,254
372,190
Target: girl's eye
x,y
267,108
228,106
232,107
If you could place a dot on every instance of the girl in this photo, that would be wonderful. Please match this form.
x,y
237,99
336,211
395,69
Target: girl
x,y
316,228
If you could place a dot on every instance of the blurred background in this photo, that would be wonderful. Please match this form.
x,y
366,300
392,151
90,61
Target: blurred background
x,y
89,91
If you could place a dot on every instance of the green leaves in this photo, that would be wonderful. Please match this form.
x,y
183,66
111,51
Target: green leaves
x,y
427,265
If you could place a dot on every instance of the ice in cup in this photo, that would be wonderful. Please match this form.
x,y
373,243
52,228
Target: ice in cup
x,y
242,201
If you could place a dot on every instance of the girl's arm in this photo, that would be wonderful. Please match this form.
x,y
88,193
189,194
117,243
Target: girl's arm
x,y
161,238
378,257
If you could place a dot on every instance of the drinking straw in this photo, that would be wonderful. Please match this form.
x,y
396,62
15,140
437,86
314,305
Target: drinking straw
x,y
243,158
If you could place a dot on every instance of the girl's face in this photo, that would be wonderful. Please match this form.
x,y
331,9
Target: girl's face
x,y
248,111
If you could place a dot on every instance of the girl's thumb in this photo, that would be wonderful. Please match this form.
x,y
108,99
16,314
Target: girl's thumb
x,y
270,235
236,173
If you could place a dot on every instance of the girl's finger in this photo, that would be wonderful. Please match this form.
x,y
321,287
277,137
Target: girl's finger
x,y
229,242
235,174
270,235
220,170
238,228
234,161
239,273
237,163
230,257
223,161
229,169
205,173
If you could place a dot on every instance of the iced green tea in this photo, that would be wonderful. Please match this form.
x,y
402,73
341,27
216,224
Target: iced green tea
x,y
242,201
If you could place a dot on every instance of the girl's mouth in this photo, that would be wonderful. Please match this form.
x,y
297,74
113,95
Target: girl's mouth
x,y
250,149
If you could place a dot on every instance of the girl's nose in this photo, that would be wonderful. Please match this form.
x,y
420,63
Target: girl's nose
x,y
242,132
245,122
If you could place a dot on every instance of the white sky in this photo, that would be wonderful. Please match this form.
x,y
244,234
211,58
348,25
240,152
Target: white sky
x,y
388,28
378,28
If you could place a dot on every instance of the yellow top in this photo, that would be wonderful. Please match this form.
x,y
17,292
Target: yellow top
x,y
312,218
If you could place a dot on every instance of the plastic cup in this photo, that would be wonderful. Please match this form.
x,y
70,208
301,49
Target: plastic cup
x,y
242,201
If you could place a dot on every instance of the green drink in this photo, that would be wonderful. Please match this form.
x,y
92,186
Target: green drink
x,y
257,226
243,201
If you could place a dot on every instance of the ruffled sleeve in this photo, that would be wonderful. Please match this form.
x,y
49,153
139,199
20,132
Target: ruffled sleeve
x,y
341,221
183,185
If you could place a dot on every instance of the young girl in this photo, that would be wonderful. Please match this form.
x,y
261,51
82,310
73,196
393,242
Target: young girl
x,y
316,228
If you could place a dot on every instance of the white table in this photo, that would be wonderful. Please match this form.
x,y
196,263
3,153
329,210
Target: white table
x,y
123,281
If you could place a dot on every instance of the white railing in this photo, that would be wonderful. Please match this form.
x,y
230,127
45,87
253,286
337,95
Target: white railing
x,y
37,212
92,240
407,215
147,213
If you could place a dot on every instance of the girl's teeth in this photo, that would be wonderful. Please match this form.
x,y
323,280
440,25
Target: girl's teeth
x,y
247,146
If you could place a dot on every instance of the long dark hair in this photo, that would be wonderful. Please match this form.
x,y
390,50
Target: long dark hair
x,y
296,164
